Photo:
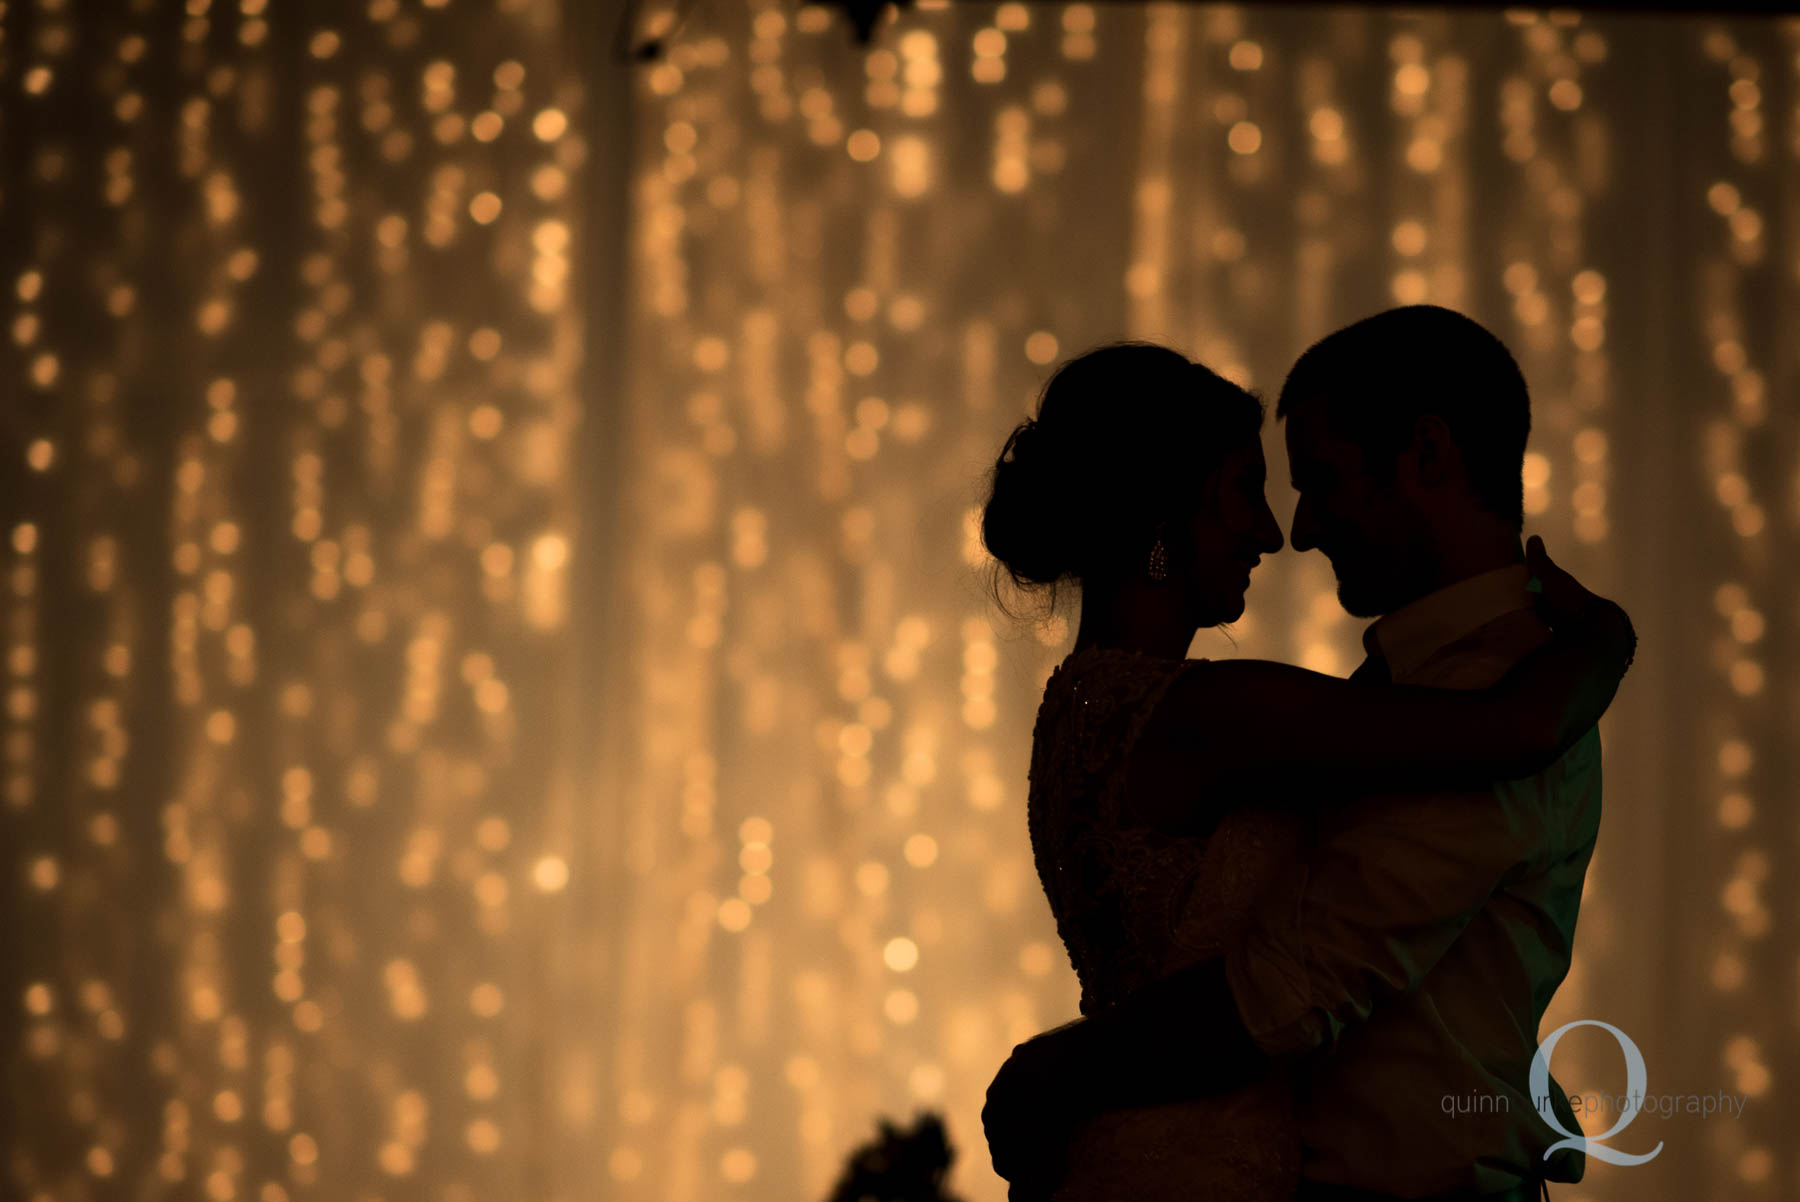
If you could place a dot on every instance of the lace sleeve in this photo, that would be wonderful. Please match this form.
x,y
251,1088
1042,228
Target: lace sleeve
x,y
1099,882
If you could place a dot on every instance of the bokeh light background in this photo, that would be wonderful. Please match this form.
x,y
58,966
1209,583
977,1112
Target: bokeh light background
x,y
500,697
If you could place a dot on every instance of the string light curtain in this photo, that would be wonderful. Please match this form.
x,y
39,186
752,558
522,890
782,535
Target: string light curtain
x,y
291,798
447,759
851,273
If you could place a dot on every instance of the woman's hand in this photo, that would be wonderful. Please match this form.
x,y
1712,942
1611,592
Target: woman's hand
x,y
1570,608
1567,685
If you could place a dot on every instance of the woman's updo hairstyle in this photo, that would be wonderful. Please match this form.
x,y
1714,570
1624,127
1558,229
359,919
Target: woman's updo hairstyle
x,y
1125,436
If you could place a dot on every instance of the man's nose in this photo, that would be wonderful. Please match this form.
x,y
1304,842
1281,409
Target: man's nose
x,y
1303,535
1269,532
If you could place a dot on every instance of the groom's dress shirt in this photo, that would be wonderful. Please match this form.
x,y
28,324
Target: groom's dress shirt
x,y
1464,906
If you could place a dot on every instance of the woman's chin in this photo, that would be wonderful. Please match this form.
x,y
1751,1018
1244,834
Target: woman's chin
x,y
1228,609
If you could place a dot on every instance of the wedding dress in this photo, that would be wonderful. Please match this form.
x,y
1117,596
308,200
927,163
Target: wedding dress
x,y
1133,905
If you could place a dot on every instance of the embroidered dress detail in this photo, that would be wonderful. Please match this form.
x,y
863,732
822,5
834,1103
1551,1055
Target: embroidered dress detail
x,y
1133,904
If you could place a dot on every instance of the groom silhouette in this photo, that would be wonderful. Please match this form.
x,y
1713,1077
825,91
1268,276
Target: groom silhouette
x,y
1409,959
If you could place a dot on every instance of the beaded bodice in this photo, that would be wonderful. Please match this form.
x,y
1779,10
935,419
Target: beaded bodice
x,y
1132,904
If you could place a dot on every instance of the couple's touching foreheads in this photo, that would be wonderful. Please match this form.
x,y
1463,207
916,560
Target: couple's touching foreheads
x,y
1303,910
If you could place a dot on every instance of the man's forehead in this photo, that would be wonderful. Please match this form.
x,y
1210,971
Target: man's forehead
x,y
1308,408
1310,437
1306,425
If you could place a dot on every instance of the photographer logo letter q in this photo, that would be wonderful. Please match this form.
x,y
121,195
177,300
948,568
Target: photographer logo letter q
x,y
1634,1088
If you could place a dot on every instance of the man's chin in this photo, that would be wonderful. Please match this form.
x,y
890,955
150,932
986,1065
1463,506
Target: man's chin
x,y
1360,602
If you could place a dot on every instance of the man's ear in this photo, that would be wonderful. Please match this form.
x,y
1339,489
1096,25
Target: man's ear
x,y
1432,455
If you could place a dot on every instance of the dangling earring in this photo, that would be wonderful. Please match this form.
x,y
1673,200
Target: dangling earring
x,y
1158,567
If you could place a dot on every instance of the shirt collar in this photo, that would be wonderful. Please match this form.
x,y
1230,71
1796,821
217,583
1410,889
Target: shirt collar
x,y
1417,631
